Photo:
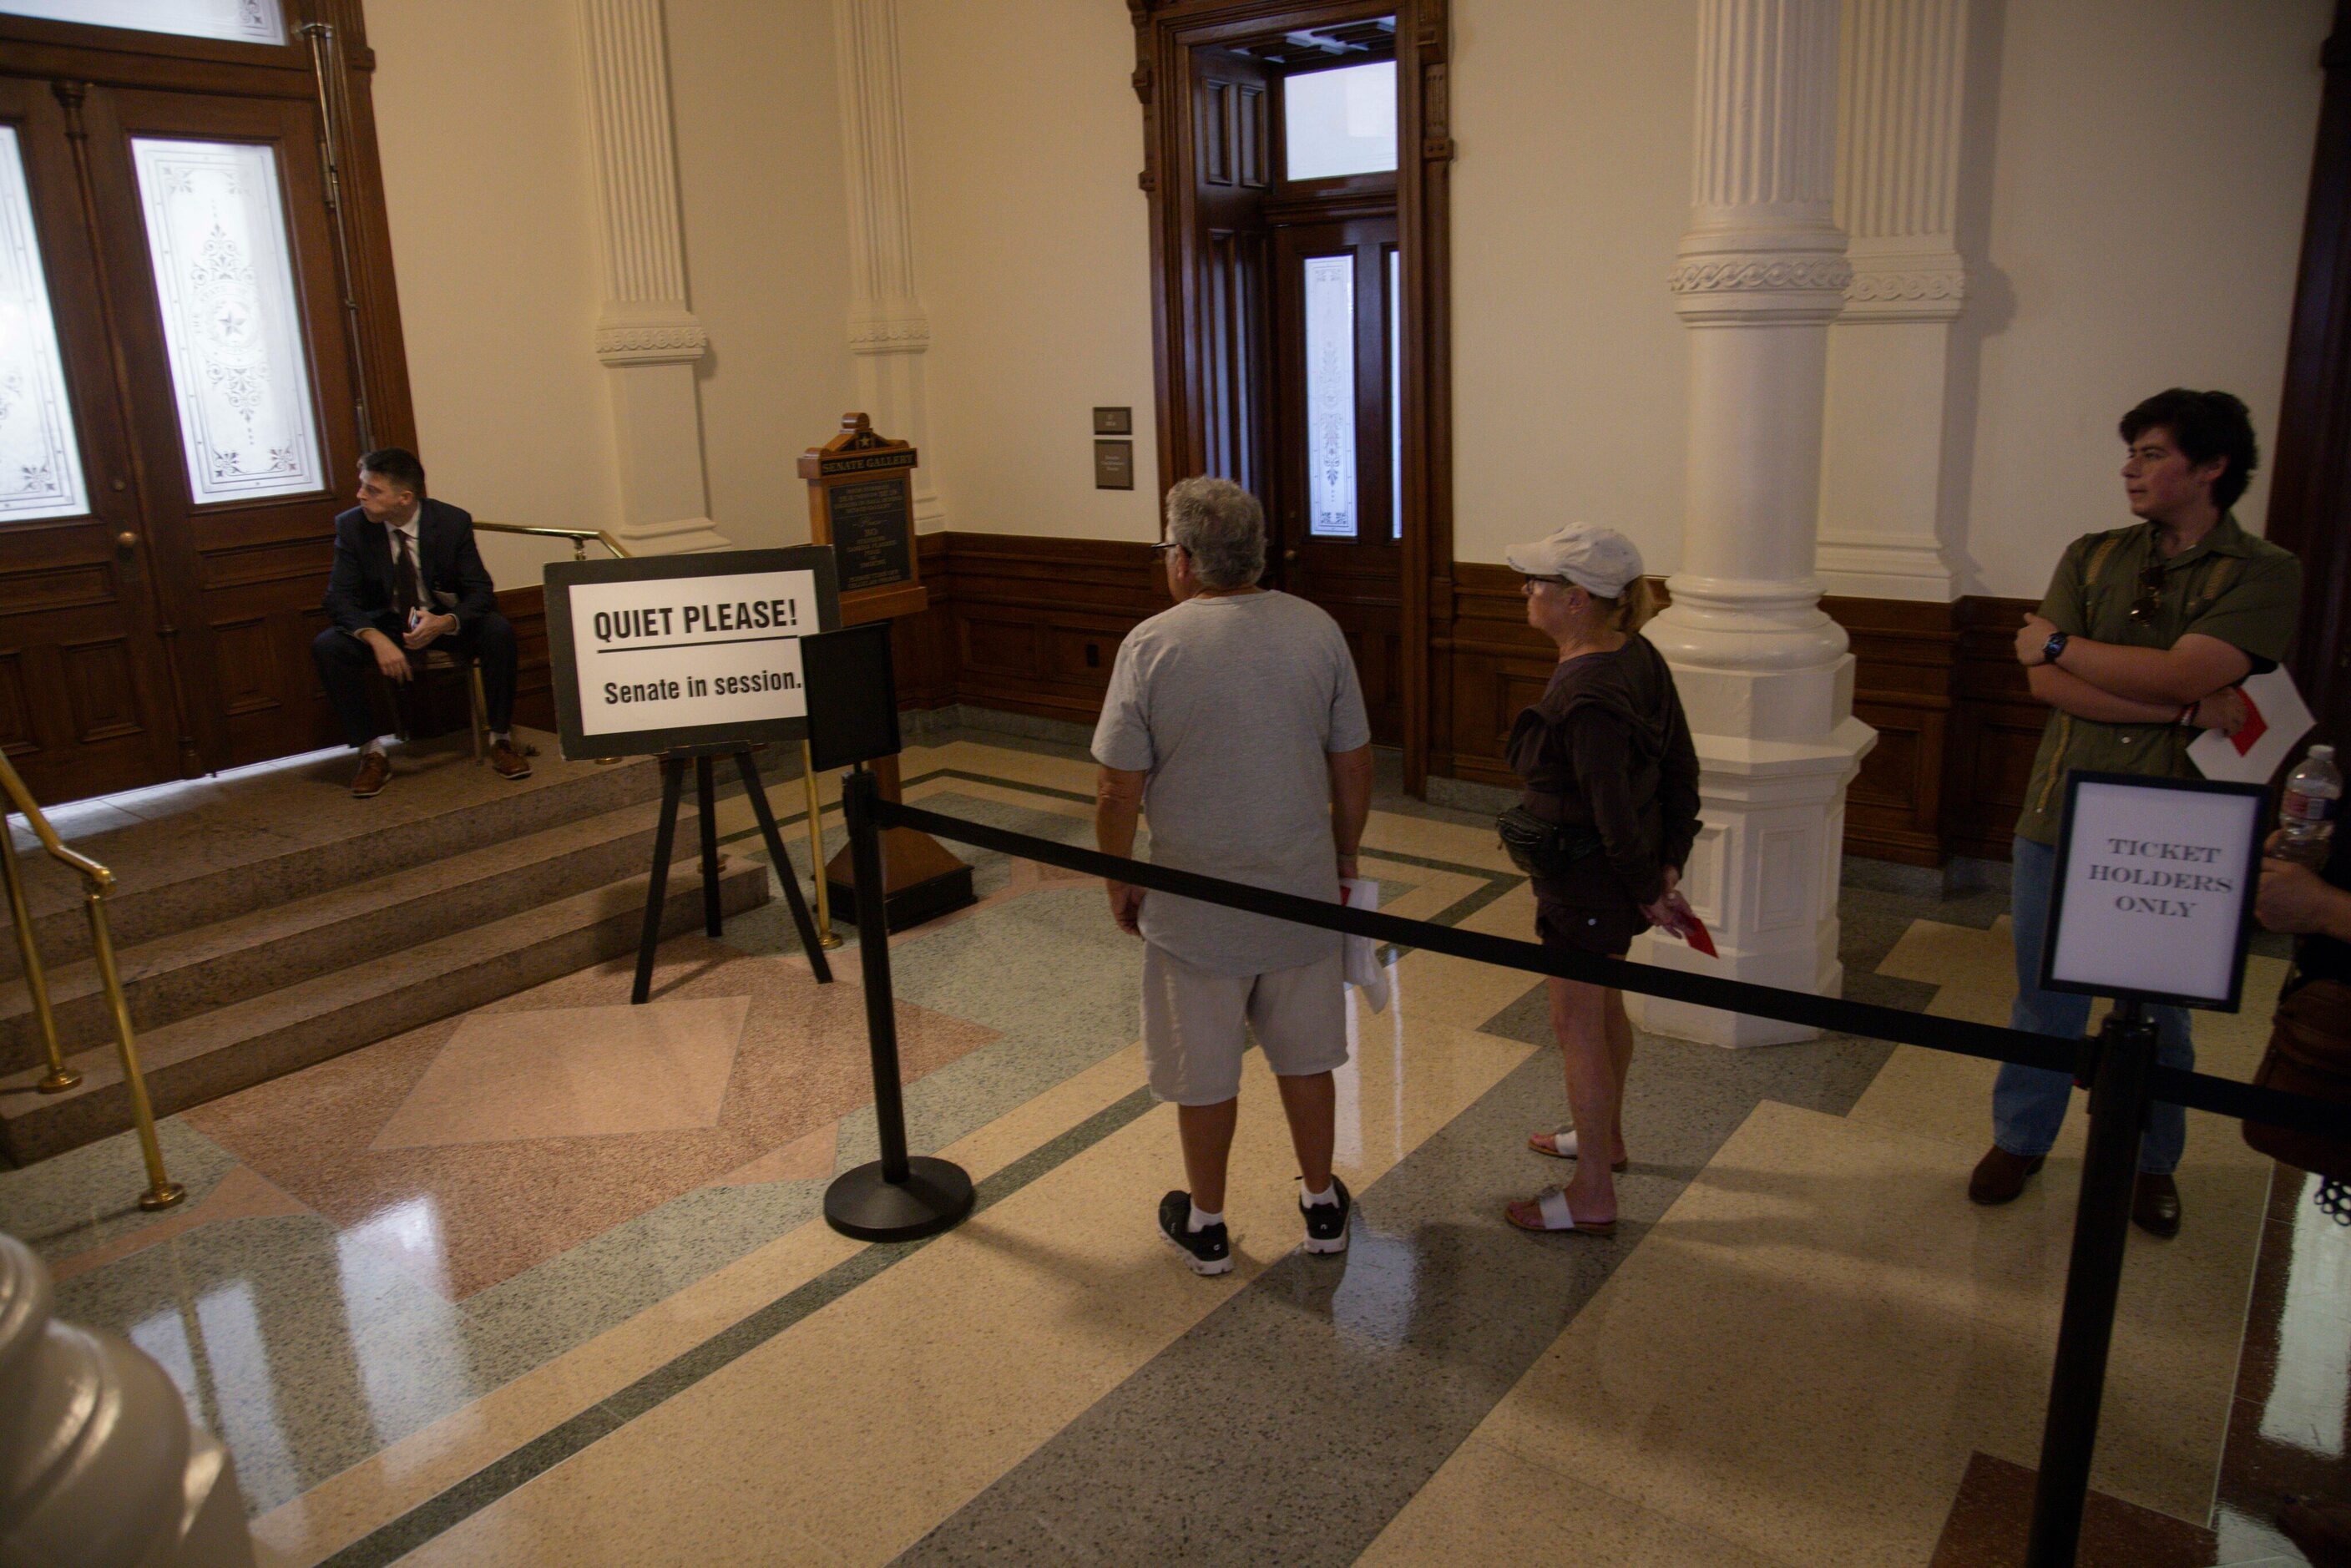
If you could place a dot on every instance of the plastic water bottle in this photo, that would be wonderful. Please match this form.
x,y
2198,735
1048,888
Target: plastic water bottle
x,y
2312,796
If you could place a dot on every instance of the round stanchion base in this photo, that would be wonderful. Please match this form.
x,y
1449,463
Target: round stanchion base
x,y
935,1196
57,1082
162,1195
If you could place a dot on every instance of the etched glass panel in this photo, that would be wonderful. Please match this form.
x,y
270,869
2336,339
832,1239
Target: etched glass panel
x,y
243,21
1330,395
1340,122
40,463
1396,391
224,279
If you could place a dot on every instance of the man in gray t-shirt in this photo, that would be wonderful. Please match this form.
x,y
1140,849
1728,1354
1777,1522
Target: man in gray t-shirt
x,y
1236,724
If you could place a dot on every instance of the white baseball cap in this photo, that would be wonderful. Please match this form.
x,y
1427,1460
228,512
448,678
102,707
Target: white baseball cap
x,y
1601,561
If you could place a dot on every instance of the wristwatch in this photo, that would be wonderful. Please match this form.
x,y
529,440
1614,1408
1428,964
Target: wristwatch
x,y
2054,646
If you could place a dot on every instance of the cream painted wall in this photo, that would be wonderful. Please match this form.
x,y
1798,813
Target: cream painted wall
x,y
1032,256
491,196
1571,186
491,190
767,259
2150,165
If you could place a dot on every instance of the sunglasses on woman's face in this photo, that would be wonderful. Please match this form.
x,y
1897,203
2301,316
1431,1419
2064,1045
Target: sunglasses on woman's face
x,y
2150,593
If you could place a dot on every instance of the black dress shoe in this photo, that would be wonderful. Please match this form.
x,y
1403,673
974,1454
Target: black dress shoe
x,y
2155,1205
1999,1175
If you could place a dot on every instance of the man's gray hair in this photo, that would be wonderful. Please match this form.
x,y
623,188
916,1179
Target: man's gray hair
x,y
1222,529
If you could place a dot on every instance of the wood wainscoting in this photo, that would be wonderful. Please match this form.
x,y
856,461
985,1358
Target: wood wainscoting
x,y
1031,625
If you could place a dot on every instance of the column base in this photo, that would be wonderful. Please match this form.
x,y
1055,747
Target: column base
x,y
681,537
1764,876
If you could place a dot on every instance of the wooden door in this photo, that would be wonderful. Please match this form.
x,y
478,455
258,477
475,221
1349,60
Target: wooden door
x,y
1338,525
85,692
221,267
1232,170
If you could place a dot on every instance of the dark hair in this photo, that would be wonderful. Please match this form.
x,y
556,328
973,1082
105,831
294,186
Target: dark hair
x,y
396,464
2203,425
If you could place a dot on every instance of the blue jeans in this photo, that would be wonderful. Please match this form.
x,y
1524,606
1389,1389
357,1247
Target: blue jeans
x,y
2028,1104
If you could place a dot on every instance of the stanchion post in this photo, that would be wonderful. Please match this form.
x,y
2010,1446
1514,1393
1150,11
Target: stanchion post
x,y
2094,1277
825,935
899,1198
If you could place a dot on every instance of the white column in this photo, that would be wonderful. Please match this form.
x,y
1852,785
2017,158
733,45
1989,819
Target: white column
x,y
889,335
1764,673
645,335
1884,458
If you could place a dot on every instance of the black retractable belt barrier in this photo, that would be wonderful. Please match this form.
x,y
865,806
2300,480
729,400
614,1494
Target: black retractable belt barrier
x,y
2094,1279
898,1198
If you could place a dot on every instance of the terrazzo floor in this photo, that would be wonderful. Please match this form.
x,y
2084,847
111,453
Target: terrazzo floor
x,y
548,1284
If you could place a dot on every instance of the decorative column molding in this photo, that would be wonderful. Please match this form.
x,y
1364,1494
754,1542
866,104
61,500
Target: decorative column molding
x,y
645,335
889,333
1764,674
1904,80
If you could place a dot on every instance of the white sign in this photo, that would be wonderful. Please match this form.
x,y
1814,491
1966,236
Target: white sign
x,y
2154,889
2276,719
676,652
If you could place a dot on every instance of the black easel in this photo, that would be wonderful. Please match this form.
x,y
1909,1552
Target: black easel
x,y
2118,1078
673,766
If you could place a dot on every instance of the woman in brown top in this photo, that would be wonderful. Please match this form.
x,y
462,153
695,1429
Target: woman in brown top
x,y
1606,757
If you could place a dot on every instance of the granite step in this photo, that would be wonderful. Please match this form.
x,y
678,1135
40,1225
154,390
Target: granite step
x,y
216,850
210,966
209,1054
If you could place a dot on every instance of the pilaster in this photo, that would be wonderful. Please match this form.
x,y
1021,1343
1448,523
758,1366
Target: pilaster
x,y
889,334
646,334
1904,70
1765,675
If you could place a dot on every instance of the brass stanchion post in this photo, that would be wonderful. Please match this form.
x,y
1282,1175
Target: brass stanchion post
x,y
37,983
161,1191
825,936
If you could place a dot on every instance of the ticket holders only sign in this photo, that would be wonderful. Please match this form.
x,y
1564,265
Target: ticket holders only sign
x,y
679,651
2153,897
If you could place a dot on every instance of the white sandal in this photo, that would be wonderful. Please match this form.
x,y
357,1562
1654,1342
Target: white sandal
x,y
1562,1147
1553,1206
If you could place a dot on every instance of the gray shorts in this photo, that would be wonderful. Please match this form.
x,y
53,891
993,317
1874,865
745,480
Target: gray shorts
x,y
1197,1023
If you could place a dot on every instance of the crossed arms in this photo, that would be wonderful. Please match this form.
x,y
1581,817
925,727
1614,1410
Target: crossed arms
x,y
2110,683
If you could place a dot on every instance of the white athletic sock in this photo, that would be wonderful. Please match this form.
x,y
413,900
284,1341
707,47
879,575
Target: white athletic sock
x,y
1201,1219
376,744
498,735
1328,1194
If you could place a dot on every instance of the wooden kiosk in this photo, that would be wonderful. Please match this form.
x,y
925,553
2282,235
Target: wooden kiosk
x,y
861,503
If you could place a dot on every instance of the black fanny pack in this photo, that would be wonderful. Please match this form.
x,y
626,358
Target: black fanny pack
x,y
1544,849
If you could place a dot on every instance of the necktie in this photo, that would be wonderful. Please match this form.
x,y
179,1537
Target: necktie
x,y
404,587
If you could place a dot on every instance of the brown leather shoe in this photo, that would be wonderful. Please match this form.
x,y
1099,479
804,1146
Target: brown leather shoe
x,y
507,762
1999,1175
375,772
2155,1205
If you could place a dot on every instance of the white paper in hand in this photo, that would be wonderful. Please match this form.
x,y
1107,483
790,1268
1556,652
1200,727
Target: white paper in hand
x,y
2276,720
1363,970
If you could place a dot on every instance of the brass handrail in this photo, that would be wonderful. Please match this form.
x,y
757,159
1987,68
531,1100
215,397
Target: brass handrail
x,y
579,538
97,881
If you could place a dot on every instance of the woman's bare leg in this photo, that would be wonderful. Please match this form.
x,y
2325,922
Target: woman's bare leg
x,y
1579,1013
1620,1056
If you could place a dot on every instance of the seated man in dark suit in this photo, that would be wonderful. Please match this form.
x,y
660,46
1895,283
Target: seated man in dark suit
x,y
408,578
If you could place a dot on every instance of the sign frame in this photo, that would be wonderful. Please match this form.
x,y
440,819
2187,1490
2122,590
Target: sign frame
x,y
563,650
2254,795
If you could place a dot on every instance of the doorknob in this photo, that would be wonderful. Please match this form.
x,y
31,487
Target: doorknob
x,y
1290,555
126,541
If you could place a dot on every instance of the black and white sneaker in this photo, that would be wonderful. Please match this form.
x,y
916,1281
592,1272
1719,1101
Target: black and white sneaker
x,y
1326,1223
1210,1250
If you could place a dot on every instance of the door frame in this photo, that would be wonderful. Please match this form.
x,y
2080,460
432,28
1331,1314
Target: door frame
x,y
48,52
1165,32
